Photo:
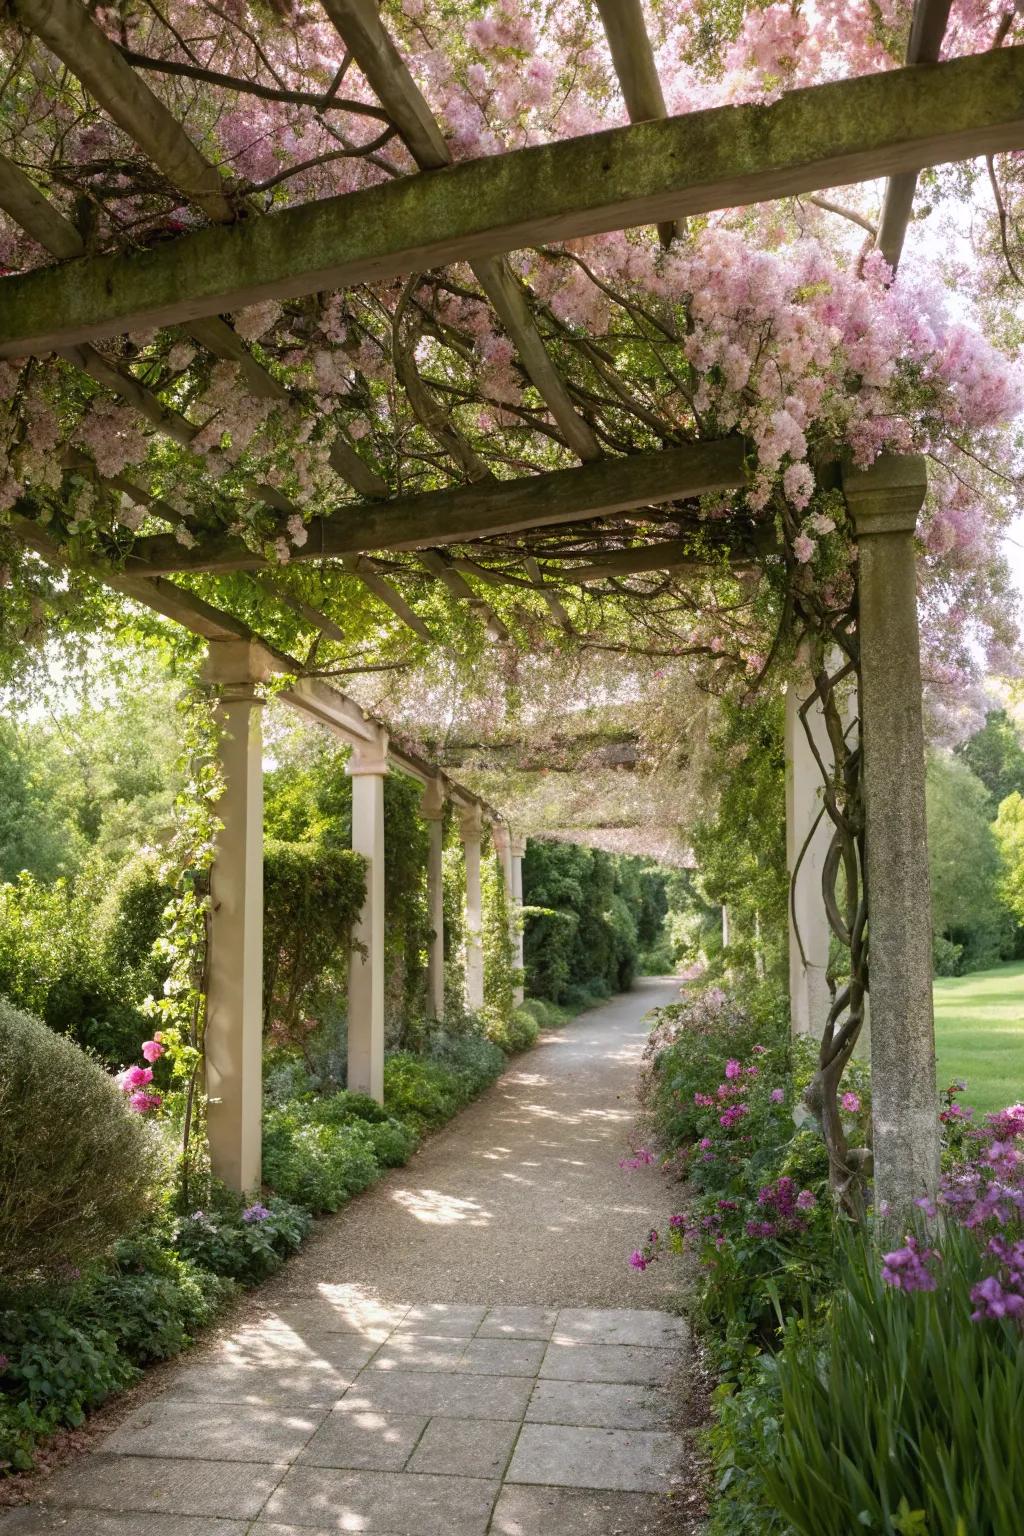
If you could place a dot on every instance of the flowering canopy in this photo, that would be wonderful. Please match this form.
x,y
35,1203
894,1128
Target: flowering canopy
x,y
776,322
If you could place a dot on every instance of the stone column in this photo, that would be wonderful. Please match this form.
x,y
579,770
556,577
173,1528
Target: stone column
x,y
234,1000
367,767
809,995
432,811
503,847
726,928
517,849
471,828
884,502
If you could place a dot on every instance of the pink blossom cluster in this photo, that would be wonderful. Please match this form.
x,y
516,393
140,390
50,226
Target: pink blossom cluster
x,y
134,1081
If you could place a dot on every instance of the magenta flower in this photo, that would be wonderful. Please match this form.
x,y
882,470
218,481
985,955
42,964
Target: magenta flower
x,y
906,1269
703,1100
637,1260
675,1222
133,1077
851,1103
733,1068
759,1050
806,1200
705,1143
777,1095
152,1050
761,1229
734,1113
143,1102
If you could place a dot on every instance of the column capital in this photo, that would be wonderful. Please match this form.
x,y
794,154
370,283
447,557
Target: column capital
x,y
887,496
369,756
471,823
432,804
517,847
236,663
501,838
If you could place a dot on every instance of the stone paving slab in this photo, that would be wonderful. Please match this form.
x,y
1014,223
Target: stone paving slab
x,y
609,1362
406,1503
570,1456
454,1322
604,1404
33,1520
502,1357
232,1490
518,1323
608,1325
444,1394
294,1386
366,1441
224,1432
524,1511
287,1349
407,1352
466,1447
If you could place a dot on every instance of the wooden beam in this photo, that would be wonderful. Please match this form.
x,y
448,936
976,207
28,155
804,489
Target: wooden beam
x,y
807,141
479,511
67,29
626,30
927,29
434,562
385,593
359,23
666,556
554,603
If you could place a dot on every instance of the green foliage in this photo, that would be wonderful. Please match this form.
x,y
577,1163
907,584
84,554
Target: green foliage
x,y
312,896
77,1168
406,919
995,756
426,1091
587,915
498,951
1009,835
243,1245
518,1034
315,1164
963,860
740,849
152,1299
896,1418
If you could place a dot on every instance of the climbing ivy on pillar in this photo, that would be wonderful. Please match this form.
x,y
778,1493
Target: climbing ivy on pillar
x,y
367,768
234,1004
471,833
517,848
884,502
432,811
808,834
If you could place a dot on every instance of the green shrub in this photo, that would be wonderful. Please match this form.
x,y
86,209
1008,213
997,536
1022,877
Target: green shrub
x,y
53,1371
517,1033
393,1142
318,1166
244,1245
77,1168
312,893
472,1059
900,1415
152,1300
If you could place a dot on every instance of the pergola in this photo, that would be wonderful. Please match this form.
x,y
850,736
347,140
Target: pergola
x,y
601,489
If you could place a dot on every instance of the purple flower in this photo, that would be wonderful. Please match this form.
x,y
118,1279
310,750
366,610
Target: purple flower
x,y
255,1212
734,1113
850,1103
759,1050
705,1143
777,1095
906,1269
993,1302
637,1260
761,1229
703,1100
675,1222
806,1200
733,1068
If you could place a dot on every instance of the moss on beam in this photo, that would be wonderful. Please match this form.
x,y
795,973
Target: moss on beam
x,y
827,135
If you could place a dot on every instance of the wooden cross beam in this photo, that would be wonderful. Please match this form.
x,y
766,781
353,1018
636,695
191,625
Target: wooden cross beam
x,y
649,172
476,511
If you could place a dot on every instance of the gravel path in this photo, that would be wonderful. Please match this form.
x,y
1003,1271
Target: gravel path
x,y
464,1351
521,1199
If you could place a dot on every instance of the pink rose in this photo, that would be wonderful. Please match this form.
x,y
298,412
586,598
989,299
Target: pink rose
x,y
141,1102
152,1050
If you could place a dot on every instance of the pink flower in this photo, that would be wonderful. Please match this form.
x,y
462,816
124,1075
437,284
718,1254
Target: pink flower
x,y
142,1102
850,1103
806,1200
703,1100
133,1077
152,1050
777,1095
732,1068
803,548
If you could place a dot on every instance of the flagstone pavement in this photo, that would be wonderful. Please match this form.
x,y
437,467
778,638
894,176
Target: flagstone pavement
x,y
334,1406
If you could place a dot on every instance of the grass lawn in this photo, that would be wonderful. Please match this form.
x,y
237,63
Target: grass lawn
x,y
979,1028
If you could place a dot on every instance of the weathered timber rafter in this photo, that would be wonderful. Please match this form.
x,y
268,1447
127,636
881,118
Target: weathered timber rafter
x,y
359,24
478,511
435,563
927,29
633,57
807,141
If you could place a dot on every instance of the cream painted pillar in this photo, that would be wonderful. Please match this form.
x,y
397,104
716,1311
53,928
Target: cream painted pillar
x,y
503,845
809,995
471,829
726,928
517,849
432,811
367,767
233,1050
884,502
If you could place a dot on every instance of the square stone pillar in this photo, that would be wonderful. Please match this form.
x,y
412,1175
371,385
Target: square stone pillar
x,y
518,849
233,1047
367,767
471,831
884,502
432,811
806,846
504,844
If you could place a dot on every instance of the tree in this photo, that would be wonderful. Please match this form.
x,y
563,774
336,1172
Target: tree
x,y
996,756
968,916
1009,834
